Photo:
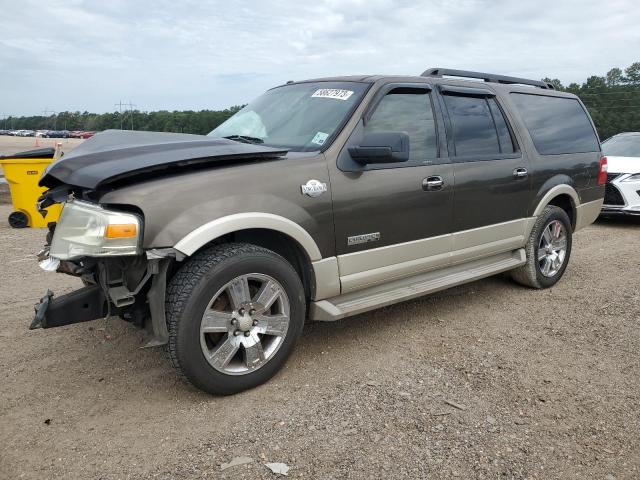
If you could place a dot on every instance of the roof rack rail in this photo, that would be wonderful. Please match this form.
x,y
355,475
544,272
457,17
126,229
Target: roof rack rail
x,y
487,77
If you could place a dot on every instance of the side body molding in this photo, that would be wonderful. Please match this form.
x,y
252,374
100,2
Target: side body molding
x,y
244,221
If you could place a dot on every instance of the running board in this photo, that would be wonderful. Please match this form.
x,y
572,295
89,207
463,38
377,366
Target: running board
x,y
396,291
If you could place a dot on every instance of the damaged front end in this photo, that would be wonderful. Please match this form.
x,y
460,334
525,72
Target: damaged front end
x,y
103,247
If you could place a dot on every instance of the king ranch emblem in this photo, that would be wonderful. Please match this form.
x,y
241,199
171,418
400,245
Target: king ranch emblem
x,y
313,188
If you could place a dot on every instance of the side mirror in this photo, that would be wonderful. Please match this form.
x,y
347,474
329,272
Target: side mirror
x,y
381,147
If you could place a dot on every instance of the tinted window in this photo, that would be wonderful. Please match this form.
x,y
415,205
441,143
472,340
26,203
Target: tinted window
x,y
407,111
557,125
623,145
474,131
506,143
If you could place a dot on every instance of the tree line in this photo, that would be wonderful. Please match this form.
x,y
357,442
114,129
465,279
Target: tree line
x,y
189,121
613,101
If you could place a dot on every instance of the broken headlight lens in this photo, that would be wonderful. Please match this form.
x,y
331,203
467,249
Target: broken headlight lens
x,y
88,230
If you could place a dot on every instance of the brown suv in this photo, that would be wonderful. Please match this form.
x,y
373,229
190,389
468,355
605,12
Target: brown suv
x,y
321,199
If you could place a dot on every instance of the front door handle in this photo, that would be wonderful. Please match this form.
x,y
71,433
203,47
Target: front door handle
x,y
520,173
434,182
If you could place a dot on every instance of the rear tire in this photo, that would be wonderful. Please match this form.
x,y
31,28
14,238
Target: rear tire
x,y
234,314
547,256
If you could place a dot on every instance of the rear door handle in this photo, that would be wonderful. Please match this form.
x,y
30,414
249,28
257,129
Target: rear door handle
x,y
520,173
434,182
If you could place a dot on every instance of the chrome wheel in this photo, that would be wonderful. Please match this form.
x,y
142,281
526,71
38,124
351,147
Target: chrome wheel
x,y
244,324
552,249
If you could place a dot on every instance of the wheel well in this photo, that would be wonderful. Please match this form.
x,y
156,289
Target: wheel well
x,y
281,244
565,202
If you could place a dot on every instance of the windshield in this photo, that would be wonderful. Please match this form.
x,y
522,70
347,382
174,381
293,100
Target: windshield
x,y
623,146
301,117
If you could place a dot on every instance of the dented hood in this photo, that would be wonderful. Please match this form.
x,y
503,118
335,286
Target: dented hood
x,y
115,155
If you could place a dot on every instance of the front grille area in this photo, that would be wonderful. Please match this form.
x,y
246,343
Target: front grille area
x,y
612,195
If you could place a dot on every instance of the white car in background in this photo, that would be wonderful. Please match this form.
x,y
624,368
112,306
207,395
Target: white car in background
x,y
622,194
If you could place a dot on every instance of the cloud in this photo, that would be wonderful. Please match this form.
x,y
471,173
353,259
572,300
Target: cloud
x,y
89,54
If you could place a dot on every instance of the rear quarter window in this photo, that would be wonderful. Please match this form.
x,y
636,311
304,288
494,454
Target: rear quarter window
x,y
557,125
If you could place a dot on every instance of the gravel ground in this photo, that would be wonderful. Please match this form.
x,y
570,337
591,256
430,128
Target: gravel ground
x,y
487,380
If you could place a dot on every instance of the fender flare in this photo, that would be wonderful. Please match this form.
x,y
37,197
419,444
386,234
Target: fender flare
x,y
554,192
204,234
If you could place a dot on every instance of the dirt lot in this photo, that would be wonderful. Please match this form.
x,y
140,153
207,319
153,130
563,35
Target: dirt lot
x,y
547,384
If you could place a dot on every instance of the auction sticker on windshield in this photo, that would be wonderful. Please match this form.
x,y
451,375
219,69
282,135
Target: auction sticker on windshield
x,y
335,93
320,138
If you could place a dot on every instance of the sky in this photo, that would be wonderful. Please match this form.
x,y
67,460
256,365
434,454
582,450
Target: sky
x,y
192,55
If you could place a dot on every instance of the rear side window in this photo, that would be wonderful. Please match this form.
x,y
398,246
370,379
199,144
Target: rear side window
x,y
479,128
557,125
406,110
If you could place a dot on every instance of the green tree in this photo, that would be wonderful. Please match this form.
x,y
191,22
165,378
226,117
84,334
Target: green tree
x,y
614,77
557,84
633,73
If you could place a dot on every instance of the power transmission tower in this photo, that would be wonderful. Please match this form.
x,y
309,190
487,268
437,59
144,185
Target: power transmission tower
x,y
5,117
46,113
128,108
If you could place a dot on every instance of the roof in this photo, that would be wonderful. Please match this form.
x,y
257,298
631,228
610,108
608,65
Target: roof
x,y
434,80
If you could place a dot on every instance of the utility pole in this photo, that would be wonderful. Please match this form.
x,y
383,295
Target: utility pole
x,y
131,105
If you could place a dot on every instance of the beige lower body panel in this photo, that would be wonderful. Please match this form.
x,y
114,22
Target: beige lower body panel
x,y
362,281
407,288
327,278
381,265
587,213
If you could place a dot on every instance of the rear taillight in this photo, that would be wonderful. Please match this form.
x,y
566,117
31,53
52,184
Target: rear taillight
x,y
602,172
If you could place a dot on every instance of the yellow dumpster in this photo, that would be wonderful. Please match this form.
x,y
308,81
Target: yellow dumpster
x,y
22,172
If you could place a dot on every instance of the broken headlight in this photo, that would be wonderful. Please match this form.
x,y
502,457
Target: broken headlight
x,y
88,230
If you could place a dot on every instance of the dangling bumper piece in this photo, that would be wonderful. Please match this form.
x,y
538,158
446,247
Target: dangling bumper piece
x,y
83,305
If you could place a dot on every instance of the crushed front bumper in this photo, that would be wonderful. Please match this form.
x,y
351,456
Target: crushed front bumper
x,y
142,304
88,303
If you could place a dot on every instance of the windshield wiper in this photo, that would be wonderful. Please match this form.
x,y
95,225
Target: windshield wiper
x,y
245,139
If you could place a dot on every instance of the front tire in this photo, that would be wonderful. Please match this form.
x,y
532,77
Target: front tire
x,y
548,250
234,314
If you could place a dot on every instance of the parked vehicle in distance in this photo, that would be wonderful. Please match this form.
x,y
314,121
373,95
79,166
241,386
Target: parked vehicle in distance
x,y
622,194
81,134
25,133
57,134
321,199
